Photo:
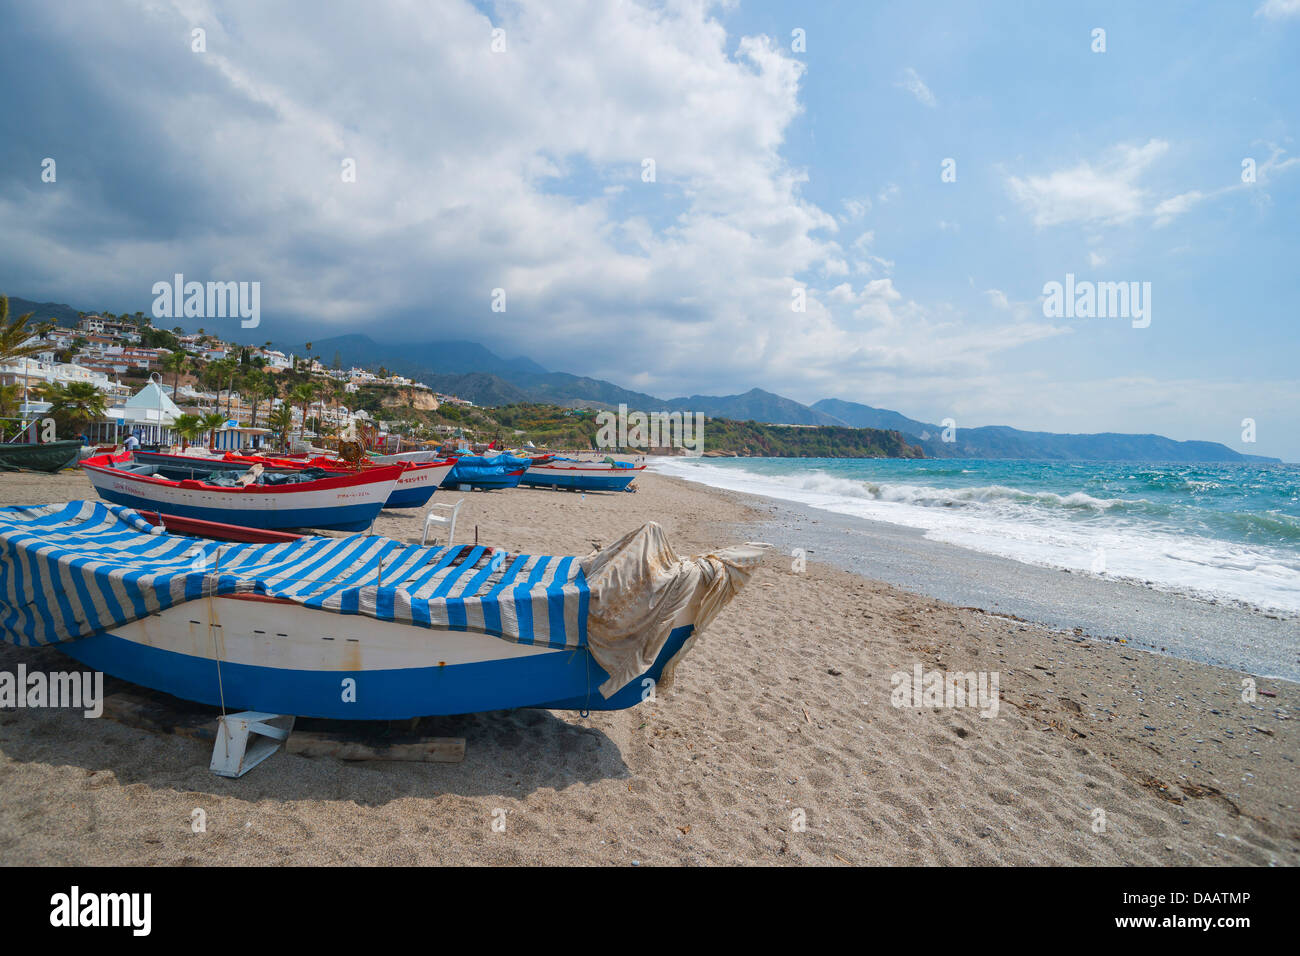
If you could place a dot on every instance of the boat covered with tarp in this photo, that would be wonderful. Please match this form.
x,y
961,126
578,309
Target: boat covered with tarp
x,y
480,471
48,456
356,627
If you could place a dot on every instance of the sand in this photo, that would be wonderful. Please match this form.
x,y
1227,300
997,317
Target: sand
x,y
782,715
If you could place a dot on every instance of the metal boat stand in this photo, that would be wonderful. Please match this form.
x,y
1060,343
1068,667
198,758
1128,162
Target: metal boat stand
x,y
234,753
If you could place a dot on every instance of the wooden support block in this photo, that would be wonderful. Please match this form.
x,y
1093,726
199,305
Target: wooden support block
x,y
246,739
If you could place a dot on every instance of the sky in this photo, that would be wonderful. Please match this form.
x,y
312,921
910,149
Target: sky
x,y
865,201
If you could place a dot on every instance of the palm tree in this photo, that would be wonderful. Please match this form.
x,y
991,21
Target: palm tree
x,y
14,334
215,374
281,421
259,387
189,427
230,365
75,404
176,362
335,392
304,393
211,422
10,396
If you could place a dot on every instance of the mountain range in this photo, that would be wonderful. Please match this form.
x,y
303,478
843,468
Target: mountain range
x,y
472,371
1001,441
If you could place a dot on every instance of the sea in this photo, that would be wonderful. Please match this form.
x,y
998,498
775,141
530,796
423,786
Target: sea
x,y
1227,532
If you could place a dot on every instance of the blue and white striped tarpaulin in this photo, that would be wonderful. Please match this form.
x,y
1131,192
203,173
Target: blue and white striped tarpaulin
x,y
71,570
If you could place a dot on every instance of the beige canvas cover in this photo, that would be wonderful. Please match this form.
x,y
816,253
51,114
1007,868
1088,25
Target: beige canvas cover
x,y
640,589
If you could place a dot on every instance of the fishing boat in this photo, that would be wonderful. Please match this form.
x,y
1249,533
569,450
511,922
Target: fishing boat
x,y
38,456
415,457
582,475
413,489
476,471
200,461
417,483
305,499
358,627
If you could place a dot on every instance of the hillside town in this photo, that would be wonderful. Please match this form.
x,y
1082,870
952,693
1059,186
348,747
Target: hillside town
x,y
111,377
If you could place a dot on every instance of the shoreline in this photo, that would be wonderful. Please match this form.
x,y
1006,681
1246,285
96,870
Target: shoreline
x,y
782,711
1184,623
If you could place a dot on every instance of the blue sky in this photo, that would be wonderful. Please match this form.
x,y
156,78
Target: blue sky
x,y
775,169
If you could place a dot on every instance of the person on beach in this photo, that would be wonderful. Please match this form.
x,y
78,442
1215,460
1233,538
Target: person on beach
x,y
132,442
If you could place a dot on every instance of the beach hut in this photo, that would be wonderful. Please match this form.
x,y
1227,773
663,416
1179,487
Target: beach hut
x,y
233,436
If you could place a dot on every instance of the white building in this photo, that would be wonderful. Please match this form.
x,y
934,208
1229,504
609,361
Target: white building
x,y
34,372
149,414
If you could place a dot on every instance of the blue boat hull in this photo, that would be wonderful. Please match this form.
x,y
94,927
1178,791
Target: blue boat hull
x,y
505,481
581,482
410,497
338,518
563,680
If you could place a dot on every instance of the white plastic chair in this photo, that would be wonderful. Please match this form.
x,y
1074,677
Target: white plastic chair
x,y
446,517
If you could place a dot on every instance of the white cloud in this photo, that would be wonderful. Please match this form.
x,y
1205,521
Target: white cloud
x,y
867,261
855,209
1170,209
912,82
1026,312
1278,9
477,170
1106,193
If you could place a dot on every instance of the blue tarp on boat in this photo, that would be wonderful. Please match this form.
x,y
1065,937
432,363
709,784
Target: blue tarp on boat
x,y
72,570
477,470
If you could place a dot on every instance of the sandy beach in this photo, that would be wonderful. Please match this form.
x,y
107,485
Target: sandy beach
x,y
1100,753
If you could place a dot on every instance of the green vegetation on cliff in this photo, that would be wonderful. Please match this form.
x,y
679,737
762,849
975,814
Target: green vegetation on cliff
x,y
758,440
558,427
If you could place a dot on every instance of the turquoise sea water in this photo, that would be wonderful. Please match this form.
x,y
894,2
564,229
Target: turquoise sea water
x,y
1226,531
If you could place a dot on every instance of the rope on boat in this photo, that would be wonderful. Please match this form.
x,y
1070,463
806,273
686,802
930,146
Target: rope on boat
x,y
216,652
586,710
